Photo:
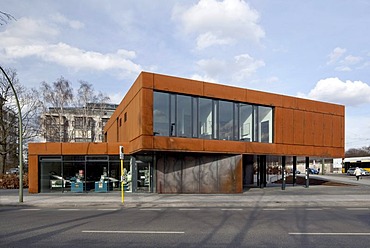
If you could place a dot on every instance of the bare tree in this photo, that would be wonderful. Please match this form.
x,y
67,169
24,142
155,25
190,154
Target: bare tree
x,y
57,96
5,18
358,152
9,133
89,104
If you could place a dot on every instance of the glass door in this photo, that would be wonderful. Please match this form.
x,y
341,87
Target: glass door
x,y
50,173
143,177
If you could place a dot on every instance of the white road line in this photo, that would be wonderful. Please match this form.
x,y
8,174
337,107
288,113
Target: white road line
x,y
357,209
107,209
314,209
151,209
30,209
333,234
189,209
231,209
274,209
135,232
69,209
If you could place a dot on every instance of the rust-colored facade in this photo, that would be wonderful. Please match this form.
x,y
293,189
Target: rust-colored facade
x,y
300,127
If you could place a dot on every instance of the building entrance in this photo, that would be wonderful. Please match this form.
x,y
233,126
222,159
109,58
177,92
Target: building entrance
x,y
143,177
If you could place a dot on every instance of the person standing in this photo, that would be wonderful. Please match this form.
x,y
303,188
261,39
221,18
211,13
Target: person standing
x,y
358,173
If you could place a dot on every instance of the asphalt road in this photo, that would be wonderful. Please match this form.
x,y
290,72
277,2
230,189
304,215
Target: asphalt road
x,y
185,227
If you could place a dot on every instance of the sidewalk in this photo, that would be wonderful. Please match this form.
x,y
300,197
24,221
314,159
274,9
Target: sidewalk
x,y
357,195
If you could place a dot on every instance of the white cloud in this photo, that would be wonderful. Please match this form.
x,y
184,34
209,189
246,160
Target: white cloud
x,y
205,78
220,23
59,18
116,98
335,55
240,68
246,66
350,93
343,68
352,60
343,64
34,38
212,67
272,79
208,39
26,31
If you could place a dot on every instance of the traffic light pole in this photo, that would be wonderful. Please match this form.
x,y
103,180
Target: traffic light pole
x,y
122,157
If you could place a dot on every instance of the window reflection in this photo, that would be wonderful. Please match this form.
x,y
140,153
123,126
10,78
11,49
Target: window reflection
x,y
197,117
161,114
226,120
205,118
183,116
265,124
245,122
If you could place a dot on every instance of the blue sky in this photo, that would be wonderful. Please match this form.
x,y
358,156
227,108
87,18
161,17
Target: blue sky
x,y
312,49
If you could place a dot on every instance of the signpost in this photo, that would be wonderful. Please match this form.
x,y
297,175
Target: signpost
x,y
121,157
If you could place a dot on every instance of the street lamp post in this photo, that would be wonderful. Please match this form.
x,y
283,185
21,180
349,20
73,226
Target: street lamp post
x,y
20,152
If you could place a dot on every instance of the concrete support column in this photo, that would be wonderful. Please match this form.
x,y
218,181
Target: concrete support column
x,y
133,169
307,172
261,177
264,171
283,172
294,169
258,171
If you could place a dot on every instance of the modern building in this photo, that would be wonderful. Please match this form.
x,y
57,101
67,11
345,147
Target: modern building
x,y
186,136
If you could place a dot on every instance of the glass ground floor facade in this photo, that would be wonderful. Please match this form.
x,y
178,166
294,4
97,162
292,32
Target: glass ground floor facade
x,y
166,172
99,173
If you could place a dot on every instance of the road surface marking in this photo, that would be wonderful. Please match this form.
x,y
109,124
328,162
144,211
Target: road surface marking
x,y
333,234
357,208
30,209
107,209
314,209
189,209
135,232
231,209
151,209
274,209
69,209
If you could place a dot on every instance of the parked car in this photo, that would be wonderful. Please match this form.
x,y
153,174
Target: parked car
x,y
12,171
313,171
351,172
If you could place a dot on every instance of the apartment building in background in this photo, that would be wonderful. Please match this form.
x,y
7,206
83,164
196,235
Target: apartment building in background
x,y
76,124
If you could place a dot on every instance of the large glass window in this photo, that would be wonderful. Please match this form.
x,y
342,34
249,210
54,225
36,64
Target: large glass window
x,y
205,118
195,116
226,120
173,115
51,178
184,116
82,173
245,122
265,124
161,111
